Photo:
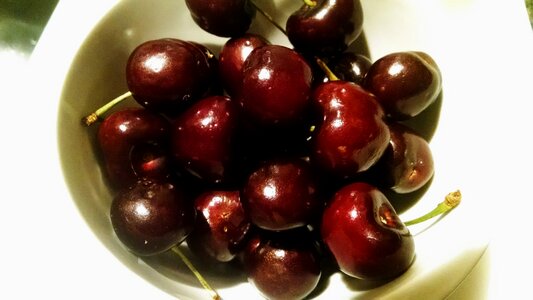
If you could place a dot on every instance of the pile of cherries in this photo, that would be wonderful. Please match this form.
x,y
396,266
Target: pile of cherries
x,y
272,156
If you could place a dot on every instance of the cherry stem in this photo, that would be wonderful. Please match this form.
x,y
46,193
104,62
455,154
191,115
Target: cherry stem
x,y
326,69
450,202
320,62
95,116
268,17
201,279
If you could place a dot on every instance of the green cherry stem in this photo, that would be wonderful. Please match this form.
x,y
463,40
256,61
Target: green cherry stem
x,y
320,62
201,279
326,69
450,202
95,116
310,3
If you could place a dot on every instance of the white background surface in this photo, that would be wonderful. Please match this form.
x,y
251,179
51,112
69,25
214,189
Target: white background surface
x,y
47,251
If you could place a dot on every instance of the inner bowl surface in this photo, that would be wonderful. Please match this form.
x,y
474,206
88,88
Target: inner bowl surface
x,y
97,74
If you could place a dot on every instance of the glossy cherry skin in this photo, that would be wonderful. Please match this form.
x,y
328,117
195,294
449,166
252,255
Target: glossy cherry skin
x,y
232,57
276,86
224,18
405,83
365,235
167,74
407,164
326,28
151,217
221,225
281,195
352,135
349,66
202,138
282,265
134,144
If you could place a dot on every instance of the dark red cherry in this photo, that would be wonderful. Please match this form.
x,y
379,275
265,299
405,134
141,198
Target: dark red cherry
x,y
151,217
283,265
134,144
225,18
407,164
221,225
365,235
151,161
352,135
405,83
281,195
202,138
276,85
349,66
325,28
167,74
232,57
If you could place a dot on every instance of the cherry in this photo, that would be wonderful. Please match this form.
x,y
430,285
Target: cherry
x,y
407,164
232,57
353,135
150,161
365,235
350,66
276,85
134,144
167,74
405,83
326,27
202,138
281,195
283,265
151,217
224,18
221,225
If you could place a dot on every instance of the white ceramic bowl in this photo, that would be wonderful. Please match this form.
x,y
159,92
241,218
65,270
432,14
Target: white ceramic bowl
x,y
85,64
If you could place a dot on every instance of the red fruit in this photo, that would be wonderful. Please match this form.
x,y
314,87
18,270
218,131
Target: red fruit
x,y
221,225
202,138
405,83
225,18
407,165
326,28
151,217
167,74
232,57
276,86
281,195
134,145
350,66
283,265
365,235
353,135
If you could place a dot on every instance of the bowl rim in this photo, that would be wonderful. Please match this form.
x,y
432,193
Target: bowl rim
x,y
66,12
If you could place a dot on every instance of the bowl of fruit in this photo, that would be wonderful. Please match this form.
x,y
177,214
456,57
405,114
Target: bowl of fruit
x,y
274,149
